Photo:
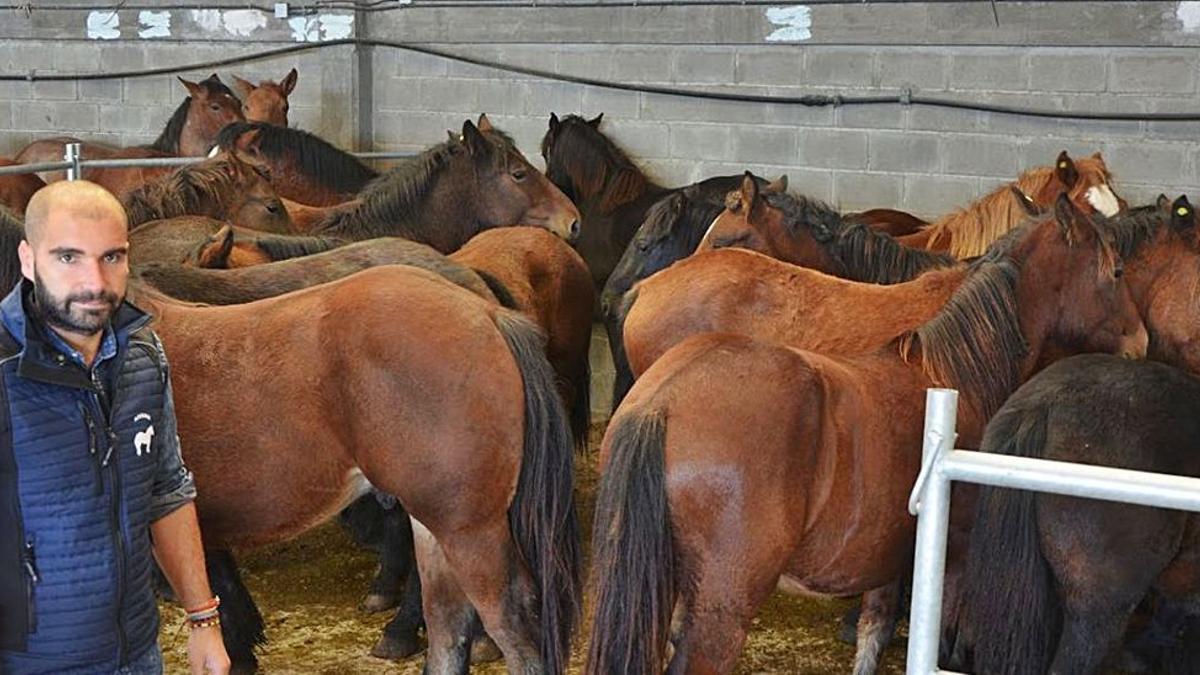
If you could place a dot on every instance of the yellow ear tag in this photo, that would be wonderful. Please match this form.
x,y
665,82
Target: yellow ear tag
x,y
1181,211
1062,165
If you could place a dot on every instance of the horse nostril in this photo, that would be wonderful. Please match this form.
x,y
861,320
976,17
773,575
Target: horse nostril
x,y
575,229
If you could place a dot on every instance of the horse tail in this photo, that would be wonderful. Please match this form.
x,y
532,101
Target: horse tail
x,y
633,568
1011,616
615,325
581,402
542,514
498,289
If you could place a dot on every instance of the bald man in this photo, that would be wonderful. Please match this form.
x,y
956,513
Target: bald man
x,y
92,485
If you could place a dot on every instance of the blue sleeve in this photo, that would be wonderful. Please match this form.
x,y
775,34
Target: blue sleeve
x,y
173,483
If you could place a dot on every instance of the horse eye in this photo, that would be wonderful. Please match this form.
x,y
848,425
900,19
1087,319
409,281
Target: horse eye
x,y
519,175
1118,272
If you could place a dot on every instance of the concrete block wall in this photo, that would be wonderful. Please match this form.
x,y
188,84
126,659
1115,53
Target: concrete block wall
x,y
1101,56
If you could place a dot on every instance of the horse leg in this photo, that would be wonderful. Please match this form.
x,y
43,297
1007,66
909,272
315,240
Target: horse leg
x,y
241,622
486,565
395,561
876,626
1087,635
399,639
448,613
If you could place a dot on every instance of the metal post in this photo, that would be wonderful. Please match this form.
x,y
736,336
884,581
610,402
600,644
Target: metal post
x,y
931,496
73,155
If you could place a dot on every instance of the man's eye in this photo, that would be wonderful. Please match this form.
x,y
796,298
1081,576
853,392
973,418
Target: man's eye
x,y
67,258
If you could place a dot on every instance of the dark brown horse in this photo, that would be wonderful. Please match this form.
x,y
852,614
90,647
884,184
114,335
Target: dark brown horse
x,y
222,187
247,284
479,453
304,167
190,132
16,189
453,191
890,221
1051,581
611,192
198,241
968,232
266,101
689,521
673,227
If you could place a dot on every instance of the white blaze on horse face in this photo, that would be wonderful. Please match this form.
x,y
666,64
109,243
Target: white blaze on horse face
x,y
707,232
1102,199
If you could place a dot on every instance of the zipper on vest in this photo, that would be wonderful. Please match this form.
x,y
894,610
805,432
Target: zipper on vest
x,y
90,422
110,462
32,579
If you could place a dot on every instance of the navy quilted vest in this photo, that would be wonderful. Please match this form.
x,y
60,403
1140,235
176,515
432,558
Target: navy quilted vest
x,y
76,478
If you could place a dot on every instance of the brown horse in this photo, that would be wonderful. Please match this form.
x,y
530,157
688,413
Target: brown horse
x,y
304,167
16,189
222,187
453,191
690,521
612,193
809,233
968,232
463,426
549,283
890,221
190,132
268,101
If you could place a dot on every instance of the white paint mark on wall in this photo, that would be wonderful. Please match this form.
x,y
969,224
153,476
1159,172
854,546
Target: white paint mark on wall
x,y
243,22
208,19
1189,14
103,25
795,23
154,24
322,28
304,29
336,26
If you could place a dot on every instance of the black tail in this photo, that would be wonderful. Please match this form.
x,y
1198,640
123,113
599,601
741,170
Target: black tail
x,y
1011,616
542,514
581,402
498,289
614,323
633,572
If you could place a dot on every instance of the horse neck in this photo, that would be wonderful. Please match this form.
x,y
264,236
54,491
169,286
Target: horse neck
x,y
447,218
192,141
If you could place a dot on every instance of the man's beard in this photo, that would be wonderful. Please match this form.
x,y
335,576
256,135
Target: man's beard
x,y
61,313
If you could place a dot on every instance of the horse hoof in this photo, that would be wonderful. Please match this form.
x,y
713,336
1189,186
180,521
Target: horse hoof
x,y
483,650
396,648
378,602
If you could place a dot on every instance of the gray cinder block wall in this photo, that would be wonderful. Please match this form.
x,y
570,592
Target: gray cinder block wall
x,y
1099,56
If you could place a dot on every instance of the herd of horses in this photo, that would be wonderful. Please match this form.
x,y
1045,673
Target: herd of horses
x,y
410,349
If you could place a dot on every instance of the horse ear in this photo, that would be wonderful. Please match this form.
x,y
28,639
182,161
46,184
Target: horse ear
x,y
288,83
248,142
554,122
1163,202
1024,200
452,136
749,192
484,124
779,185
1183,216
476,144
242,87
193,88
215,254
595,121
1064,168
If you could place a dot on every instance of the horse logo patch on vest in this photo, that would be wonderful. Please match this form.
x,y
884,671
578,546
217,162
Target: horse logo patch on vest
x,y
143,439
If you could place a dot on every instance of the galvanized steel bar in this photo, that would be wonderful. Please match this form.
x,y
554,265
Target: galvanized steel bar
x,y
33,168
1074,480
933,503
139,162
71,154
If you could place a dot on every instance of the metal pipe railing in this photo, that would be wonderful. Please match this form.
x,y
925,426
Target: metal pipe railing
x,y
74,163
930,501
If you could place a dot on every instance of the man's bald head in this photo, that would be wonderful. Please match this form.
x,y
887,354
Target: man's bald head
x,y
79,199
